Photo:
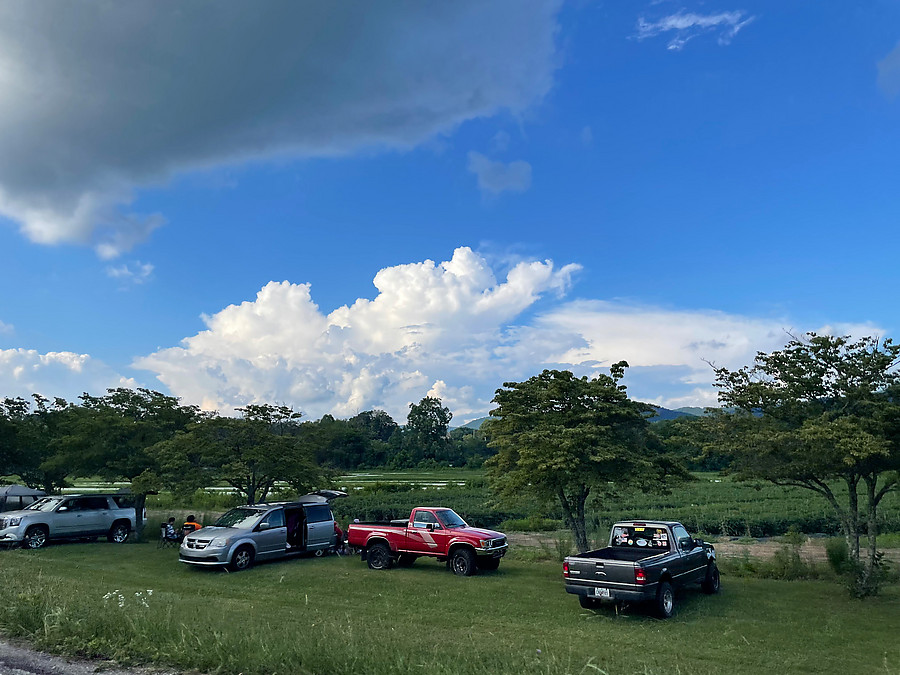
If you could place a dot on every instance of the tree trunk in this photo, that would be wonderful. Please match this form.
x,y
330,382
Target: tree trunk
x,y
140,499
871,528
853,518
573,514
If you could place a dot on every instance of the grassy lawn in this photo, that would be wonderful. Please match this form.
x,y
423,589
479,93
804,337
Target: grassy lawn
x,y
333,615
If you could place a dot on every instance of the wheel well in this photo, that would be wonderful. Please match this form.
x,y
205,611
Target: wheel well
x,y
377,540
34,525
246,544
666,576
122,521
456,547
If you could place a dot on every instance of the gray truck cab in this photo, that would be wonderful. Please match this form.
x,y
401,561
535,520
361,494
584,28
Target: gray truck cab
x,y
267,531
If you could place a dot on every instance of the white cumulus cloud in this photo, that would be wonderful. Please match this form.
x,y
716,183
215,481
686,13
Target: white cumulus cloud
x,y
102,98
429,322
65,374
496,177
135,272
6,328
456,330
685,26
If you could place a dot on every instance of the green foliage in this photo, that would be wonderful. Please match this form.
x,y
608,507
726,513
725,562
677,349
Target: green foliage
x,y
821,410
531,524
427,427
562,439
838,555
785,565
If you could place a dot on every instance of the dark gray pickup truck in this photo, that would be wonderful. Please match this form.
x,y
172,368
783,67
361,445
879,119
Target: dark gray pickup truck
x,y
646,561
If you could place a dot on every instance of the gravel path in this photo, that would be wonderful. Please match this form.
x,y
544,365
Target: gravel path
x,y
18,659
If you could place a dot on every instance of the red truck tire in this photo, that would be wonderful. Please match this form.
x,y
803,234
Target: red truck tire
x,y
379,557
462,561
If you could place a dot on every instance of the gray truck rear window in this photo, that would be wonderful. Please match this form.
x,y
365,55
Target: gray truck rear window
x,y
627,536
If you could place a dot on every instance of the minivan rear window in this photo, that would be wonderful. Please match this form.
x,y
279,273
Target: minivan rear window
x,y
628,536
318,513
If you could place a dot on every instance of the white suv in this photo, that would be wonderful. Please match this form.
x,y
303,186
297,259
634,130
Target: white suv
x,y
69,517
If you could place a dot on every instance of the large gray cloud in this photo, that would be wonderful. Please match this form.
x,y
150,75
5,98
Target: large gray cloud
x,y
101,97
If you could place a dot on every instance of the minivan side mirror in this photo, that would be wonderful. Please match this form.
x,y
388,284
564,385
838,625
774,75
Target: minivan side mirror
x,y
264,526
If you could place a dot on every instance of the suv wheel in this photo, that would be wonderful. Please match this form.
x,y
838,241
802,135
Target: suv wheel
x,y
242,559
35,537
462,562
118,533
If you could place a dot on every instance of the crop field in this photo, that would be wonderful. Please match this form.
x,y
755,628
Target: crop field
x,y
333,615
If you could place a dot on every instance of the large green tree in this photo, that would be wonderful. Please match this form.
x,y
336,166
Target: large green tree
x,y
822,411
427,427
565,438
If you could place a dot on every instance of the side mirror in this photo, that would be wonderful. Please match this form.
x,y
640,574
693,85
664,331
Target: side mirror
x,y
264,526
430,527
62,508
686,544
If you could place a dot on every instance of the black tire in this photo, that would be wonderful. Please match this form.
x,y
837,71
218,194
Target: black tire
x,y
711,583
118,533
379,557
588,603
406,560
665,600
462,562
488,564
242,559
36,537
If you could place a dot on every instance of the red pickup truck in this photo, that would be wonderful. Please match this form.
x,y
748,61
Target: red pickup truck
x,y
429,531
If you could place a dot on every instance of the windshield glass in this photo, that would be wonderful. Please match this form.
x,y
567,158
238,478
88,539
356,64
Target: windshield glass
x,y
241,517
449,518
45,504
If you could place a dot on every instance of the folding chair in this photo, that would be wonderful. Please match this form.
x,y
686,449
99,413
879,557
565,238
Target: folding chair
x,y
164,541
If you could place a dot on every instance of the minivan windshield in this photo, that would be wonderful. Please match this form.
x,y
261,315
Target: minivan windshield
x,y
450,519
45,504
241,517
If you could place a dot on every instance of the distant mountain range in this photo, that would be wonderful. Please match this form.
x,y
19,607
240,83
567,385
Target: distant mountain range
x,y
661,414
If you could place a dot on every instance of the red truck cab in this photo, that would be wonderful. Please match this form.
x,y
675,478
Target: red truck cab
x,y
431,531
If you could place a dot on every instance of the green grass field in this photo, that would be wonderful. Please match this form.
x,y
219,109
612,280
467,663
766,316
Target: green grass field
x,y
333,615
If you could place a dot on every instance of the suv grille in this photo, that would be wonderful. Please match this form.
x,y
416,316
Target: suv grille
x,y
2,523
198,544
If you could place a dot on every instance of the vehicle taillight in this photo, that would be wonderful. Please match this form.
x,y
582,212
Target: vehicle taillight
x,y
640,577
565,568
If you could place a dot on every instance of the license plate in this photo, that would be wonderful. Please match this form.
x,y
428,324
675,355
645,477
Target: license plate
x,y
601,593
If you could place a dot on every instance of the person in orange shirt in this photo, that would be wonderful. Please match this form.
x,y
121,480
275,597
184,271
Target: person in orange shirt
x,y
190,525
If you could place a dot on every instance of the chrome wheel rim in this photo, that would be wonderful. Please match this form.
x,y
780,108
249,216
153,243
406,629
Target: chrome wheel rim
x,y
37,539
242,559
459,565
668,602
120,534
377,557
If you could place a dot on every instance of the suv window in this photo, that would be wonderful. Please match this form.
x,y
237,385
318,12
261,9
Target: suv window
x,y
93,504
318,513
124,501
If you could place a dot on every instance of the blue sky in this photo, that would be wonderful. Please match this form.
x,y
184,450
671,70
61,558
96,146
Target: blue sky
x,y
345,209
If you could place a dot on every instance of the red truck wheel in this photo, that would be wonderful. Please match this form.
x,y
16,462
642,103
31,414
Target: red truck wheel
x,y
462,562
379,557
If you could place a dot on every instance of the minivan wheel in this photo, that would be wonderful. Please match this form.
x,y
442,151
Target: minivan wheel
x,y
35,537
665,600
118,533
379,557
242,559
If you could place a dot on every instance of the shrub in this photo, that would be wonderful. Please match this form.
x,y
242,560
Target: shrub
x,y
837,554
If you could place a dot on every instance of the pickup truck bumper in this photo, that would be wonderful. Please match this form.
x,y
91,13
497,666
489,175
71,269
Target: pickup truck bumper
x,y
625,593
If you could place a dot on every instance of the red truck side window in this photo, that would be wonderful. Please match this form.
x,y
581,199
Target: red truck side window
x,y
424,518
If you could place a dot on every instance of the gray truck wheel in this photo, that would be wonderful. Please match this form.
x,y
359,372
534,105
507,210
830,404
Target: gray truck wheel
x,y
588,603
711,583
242,559
35,537
665,600
118,533
379,557
462,562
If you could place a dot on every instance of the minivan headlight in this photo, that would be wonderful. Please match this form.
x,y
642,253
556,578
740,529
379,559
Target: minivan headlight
x,y
219,542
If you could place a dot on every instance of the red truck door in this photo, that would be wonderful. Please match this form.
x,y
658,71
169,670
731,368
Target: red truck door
x,y
426,534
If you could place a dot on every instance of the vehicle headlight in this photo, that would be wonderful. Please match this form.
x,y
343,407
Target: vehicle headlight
x,y
14,522
486,543
219,542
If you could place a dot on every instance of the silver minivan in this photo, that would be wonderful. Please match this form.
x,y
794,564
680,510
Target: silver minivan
x,y
246,534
